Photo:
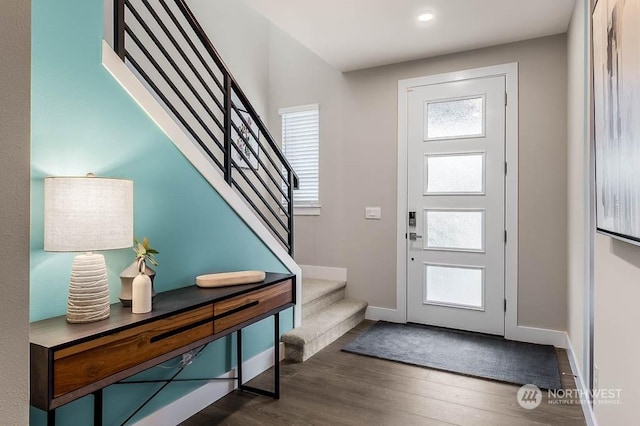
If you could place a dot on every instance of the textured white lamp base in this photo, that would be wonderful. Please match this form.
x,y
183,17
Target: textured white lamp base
x,y
88,289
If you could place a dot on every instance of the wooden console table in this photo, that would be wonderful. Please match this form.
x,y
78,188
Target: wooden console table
x,y
69,361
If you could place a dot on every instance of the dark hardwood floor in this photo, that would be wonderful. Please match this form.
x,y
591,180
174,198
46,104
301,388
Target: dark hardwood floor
x,y
339,388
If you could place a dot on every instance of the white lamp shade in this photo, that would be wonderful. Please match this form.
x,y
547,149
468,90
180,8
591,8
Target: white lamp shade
x,y
87,213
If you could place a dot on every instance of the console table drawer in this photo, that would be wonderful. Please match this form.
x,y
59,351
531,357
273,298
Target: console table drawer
x,y
85,363
239,309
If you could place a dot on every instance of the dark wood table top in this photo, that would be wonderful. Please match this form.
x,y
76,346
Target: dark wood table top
x,y
57,333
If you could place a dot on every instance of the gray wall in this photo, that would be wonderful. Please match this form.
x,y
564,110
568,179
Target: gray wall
x,y
241,36
617,347
299,77
358,167
578,220
15,79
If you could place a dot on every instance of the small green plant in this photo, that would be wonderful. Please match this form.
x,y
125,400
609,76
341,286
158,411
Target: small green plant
x,y
144,251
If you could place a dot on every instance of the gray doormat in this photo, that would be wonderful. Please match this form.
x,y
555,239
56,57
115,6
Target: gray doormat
x,y
471,354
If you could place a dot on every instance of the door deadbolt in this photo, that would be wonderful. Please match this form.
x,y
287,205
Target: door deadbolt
x,y
412,218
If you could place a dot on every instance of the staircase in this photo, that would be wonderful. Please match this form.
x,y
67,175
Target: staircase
x,y
162,57
326,314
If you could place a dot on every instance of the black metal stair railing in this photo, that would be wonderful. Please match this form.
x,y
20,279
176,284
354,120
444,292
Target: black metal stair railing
x,y
164,45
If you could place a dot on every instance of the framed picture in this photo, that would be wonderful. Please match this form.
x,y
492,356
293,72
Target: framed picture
x,y
241,145
616,90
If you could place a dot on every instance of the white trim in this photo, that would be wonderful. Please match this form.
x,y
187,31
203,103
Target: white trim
x,y
376,313
108,27
511,326
587,410
540,336
181,409
157,113
510,71
301,108
324,272
400,314
306,210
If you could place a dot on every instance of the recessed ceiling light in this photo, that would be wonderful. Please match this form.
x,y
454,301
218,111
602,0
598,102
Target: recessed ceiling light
x,y
426,17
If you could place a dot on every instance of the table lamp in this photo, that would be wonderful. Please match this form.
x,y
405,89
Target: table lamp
x,y
85,214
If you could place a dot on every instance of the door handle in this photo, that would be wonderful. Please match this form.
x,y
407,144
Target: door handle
x,y
413,236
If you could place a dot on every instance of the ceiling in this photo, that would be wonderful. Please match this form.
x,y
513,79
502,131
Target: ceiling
x,y
356,34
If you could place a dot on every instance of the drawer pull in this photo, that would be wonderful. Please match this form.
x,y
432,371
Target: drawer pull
x,y
236,310
233,312
179,330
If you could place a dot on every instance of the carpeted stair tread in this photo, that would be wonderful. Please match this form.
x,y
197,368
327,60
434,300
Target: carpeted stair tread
x,y
319,323
318,294
313,288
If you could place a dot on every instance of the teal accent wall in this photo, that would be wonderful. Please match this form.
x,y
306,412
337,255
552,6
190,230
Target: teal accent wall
x,y
83,121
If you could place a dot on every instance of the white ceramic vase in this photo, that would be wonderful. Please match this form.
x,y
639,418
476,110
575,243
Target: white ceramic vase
x,y
126,281
141,291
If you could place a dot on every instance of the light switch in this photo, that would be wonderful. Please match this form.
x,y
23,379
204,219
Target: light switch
x,y
372,213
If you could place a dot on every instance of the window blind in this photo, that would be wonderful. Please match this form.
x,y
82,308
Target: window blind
x,y
300,142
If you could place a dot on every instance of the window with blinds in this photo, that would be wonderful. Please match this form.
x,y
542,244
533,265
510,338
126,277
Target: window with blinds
x,y
300,144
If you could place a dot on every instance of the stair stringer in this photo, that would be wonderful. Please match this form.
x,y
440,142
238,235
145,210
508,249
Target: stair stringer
x,y
181,140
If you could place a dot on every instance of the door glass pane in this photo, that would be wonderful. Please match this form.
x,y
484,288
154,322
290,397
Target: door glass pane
x,y
455,230
449,174
455,118
458,286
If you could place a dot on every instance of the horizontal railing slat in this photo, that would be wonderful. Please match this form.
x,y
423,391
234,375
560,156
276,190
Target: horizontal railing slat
x,y
172,85
173,63
186,37
173,110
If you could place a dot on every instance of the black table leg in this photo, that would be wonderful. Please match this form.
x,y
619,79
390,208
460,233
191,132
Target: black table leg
x,y
276,343
51,417
239,356
97,408
276,355
97,411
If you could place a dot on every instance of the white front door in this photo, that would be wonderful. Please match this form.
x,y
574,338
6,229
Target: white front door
x,y
456,196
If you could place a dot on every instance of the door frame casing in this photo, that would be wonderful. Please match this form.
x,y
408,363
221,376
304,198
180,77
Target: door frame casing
x,y
510,72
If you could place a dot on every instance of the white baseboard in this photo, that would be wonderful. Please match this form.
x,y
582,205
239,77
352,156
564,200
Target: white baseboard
x,y
324,272
376,313
589,415
541,336
190,404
